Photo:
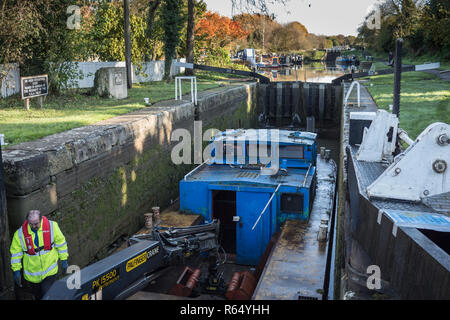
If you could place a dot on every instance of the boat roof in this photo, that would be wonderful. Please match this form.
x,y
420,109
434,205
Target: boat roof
x,y
221,174
287,137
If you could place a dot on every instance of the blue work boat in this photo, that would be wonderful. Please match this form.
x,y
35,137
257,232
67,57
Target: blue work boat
x,y
263,196
253,183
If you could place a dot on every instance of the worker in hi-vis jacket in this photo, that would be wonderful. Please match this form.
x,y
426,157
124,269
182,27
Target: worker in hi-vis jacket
x,y
37,245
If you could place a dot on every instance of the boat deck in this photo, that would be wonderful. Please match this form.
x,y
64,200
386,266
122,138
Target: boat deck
x,y
296,266
169,218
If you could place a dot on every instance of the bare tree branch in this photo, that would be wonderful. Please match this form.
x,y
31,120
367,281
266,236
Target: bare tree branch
x,y
256,6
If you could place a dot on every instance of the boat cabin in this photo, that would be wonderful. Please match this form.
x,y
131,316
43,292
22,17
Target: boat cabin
x,y
254,181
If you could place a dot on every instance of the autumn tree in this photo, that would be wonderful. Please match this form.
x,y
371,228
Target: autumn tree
x,y
297,35
259,27
215,36
216,31
290,37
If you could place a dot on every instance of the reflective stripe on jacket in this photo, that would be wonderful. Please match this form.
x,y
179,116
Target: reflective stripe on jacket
x,y
45,262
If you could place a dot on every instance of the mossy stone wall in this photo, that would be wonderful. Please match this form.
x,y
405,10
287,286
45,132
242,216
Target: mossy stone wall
x,y
98,181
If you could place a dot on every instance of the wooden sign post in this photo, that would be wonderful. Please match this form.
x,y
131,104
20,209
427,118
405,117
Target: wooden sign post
x,y
34,87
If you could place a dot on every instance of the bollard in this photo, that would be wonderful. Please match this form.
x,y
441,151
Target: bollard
x,y
327,154
148,220
156,215
323,229
322,152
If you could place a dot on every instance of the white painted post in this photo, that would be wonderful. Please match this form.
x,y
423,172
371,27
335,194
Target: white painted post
x,y
350,91
192,90
176,88
195,80
359,95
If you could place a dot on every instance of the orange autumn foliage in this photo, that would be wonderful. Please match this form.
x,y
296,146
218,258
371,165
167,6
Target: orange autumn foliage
x,y
218,30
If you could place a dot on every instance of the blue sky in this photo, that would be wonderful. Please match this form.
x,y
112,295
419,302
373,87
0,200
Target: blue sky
x,y
328,17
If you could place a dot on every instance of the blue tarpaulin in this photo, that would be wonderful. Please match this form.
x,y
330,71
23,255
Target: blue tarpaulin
x,y
419,220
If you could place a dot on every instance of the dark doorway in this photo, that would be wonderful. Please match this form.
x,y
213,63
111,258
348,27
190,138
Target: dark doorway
x,y
223,209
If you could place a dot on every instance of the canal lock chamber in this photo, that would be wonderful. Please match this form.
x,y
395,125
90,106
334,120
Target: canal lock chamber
x,y
314,107
98,181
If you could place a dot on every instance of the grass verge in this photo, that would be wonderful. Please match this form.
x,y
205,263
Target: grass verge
x,y
406,59
424,99
75,108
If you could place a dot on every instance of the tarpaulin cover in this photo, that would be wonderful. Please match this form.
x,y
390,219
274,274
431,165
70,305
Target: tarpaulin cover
x,y
419,220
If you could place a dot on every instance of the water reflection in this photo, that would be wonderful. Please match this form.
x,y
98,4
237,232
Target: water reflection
x,y
309,72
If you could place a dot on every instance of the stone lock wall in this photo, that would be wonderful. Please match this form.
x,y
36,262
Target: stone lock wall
x,y
98,181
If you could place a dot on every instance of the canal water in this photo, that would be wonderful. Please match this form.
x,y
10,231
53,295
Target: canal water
x,y
308,72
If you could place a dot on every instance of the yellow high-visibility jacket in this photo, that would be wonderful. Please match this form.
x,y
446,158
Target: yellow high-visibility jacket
x,y
44,263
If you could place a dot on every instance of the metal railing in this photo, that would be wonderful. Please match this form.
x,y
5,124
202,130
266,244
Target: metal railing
x,y
350,91
193,88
